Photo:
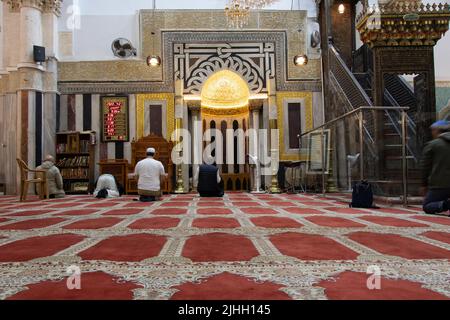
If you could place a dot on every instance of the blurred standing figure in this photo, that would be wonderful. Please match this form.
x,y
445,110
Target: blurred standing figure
x,y
54,178
210,183
106,187
149,173
436,169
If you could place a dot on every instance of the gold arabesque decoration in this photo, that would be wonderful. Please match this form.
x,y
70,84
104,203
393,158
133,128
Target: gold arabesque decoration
x,y
309,122
140,105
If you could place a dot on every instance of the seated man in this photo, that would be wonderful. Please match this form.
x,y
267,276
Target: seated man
x,y
149,173
54,178
209,181
107,187
436,169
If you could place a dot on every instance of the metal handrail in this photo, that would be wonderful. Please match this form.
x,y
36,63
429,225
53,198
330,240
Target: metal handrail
x,y
349,103
350,75
353,112
360,112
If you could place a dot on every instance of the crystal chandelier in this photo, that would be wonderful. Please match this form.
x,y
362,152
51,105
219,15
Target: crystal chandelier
x,y
238,11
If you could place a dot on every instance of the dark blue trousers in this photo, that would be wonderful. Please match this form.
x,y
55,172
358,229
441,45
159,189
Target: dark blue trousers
x,y
437,201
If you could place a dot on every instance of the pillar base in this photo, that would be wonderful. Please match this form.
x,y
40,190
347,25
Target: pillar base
x,y
258,192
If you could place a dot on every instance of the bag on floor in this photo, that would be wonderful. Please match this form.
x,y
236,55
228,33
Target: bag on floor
x,y
362,196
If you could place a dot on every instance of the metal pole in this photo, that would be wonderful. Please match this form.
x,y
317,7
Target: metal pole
x,y
361,145
324,155
404,159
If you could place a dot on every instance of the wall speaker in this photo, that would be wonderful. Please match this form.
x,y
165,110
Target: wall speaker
x,y
39,53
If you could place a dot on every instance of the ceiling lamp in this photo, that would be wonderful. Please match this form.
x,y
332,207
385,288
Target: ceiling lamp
x,y
341,8
153,60
301,60
237,13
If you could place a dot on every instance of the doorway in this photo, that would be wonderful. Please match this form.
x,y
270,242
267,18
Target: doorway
x,y
225,115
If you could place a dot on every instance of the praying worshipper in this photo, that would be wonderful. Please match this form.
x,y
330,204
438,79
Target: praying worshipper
x,y
54,178
210,183
436,170
149,173
107,187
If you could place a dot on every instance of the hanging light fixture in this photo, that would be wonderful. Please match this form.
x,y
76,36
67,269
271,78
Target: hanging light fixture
x,y
341,8
153,60
300,60
237,13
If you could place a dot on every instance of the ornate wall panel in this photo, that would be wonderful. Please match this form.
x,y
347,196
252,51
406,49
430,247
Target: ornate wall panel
x,y
194,63
307,109
271,41
169,98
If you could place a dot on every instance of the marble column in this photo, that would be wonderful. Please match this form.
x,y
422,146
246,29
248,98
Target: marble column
x,y
196,135
49,124
255,109
30,31
2,43
274,145
179,115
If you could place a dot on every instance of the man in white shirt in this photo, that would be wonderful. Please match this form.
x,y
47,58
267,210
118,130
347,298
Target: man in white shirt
x,y
149,173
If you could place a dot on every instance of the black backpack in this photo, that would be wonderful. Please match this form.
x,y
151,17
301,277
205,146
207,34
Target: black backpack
x,y
362,196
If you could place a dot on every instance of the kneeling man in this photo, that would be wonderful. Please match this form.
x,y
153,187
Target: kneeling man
x,y
436,170
54,178
107,187
149,173
209,181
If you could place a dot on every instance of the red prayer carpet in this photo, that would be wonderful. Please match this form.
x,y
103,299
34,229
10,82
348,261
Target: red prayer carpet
x,y
242,246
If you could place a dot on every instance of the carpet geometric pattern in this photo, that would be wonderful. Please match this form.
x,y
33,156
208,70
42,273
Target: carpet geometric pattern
x,y
242,246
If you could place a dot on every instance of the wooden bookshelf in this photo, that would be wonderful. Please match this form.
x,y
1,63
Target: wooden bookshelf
x,y
75,158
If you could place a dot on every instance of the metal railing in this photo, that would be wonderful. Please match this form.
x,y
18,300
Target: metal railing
x,y
359,113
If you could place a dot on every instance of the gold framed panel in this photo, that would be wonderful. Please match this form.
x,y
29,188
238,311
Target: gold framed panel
x,y
309,122
169,98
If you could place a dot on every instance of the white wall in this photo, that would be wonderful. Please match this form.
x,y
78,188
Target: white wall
x,y
113,7
442,59
2,44
102,21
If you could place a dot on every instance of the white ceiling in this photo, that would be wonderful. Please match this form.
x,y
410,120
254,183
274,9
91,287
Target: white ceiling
x,y
121,7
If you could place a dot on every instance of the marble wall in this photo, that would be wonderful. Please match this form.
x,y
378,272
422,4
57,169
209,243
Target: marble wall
x,y
82,112
8,141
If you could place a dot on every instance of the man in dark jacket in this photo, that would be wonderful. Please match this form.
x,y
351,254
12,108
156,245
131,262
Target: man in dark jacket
x,y
436,169
209,180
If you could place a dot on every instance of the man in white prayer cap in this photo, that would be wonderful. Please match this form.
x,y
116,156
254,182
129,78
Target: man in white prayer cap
x,y
149,173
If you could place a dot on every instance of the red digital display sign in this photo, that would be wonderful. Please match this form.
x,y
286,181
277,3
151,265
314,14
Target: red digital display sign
x,y
115,119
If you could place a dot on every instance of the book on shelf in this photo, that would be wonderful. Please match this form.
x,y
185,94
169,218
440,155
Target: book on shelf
x,y
80,161
61,148
76,186
84,146
75,173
